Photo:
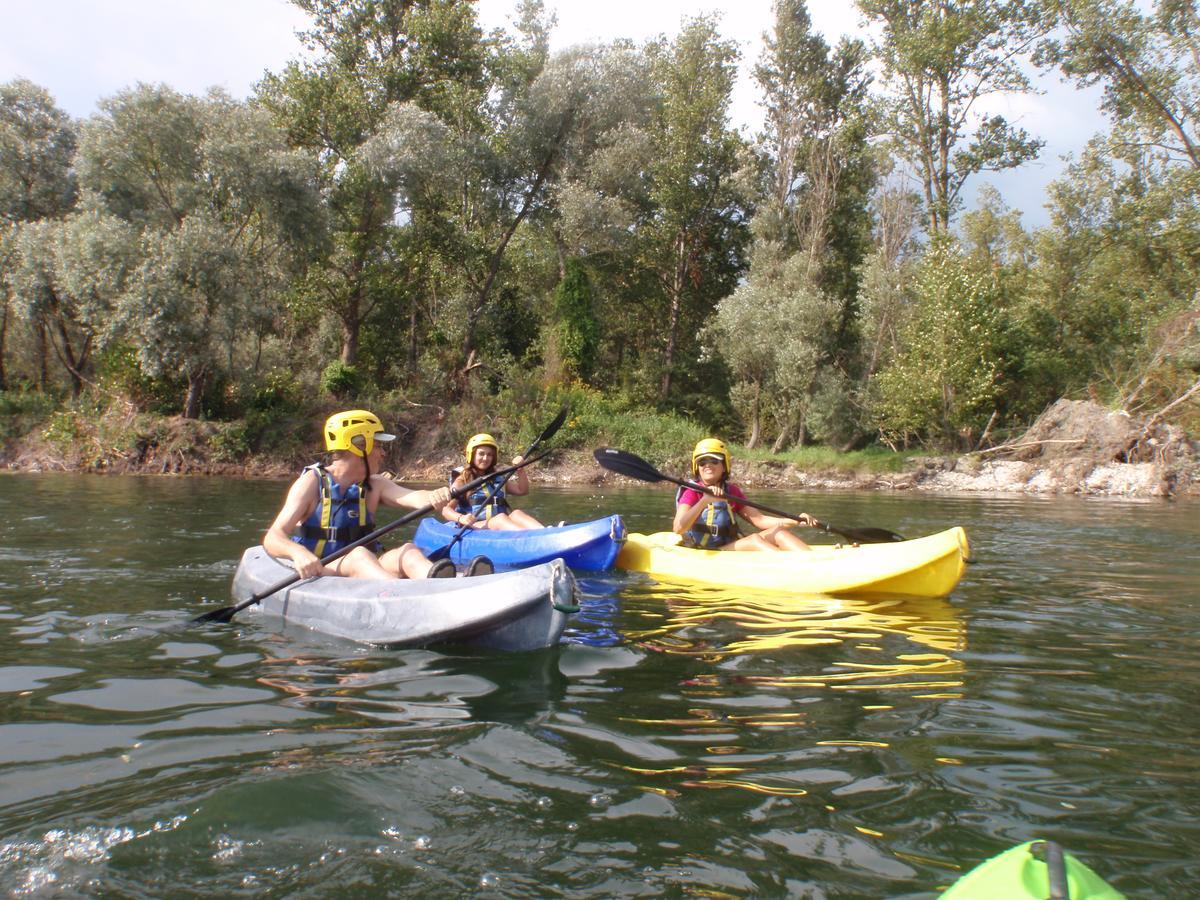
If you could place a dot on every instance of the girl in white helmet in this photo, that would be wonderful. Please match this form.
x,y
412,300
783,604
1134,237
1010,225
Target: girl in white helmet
x,y
709,521
332,505
487,506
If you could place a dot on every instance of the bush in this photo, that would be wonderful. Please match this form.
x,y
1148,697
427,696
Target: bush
x,y
21,411
340,380
230,442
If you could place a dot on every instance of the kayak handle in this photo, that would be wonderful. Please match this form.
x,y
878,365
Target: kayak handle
x,y
1056,868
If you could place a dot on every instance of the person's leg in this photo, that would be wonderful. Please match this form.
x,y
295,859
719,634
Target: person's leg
x,y
502,522
524,519
407,562
751,542
362,563
782,538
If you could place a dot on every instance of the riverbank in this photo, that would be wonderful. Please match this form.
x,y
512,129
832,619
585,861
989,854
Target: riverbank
x,y
1074,448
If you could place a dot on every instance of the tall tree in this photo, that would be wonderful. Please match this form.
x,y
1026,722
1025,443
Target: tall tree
x,y
364,57
813,227
1118,267
941,58
817,112
37,143
472,189
225,209
69,276
1147,62
694,231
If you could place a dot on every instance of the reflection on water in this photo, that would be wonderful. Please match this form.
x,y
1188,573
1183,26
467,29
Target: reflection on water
x,y
880,642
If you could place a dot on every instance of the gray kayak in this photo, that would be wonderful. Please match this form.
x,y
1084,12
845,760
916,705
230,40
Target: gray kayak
x,y
524,609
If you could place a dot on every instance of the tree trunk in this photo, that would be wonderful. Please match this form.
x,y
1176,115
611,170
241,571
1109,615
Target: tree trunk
x,y
413,322
755,416
43,356
3,345
350,330
676,297
781,441
195,393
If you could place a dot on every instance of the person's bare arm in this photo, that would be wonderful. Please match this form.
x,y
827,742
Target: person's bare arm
x,y
450,511
297,506
393,494
518,484
686,515
761,520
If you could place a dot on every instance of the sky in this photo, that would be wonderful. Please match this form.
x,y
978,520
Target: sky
x,y
84,50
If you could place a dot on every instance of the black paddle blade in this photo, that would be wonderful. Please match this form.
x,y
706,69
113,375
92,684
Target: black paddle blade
x,y
551,429
863,535
224,615
627,464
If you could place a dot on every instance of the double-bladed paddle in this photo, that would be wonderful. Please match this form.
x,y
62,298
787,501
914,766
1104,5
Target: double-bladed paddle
x,y
633,466
226,613
547,433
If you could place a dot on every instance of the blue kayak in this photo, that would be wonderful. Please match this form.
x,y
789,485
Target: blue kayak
x,y
587,545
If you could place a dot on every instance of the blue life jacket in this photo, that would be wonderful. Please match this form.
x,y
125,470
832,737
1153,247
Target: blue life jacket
x,y
339,519
485,501
715,527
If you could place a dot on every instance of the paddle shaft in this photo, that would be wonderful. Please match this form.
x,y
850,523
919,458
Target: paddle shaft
x,y
548,432
226,613
733,498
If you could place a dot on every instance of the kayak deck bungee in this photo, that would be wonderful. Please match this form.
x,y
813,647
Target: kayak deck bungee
x,y
525,609
592,546
924,567
1037,869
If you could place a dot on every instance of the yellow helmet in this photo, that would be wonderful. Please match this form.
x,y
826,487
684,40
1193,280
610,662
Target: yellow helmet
x,y
480,440
710,447
355,430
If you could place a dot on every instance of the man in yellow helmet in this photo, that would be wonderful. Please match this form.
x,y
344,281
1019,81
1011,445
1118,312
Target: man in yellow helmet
x,y
332,505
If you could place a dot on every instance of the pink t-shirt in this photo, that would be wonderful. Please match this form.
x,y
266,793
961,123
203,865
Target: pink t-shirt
x,y
688,496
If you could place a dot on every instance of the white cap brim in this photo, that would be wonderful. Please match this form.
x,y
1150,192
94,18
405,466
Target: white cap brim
x,y
384,436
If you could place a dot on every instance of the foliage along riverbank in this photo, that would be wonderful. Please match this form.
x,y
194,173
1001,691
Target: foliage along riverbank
x,y
1075,447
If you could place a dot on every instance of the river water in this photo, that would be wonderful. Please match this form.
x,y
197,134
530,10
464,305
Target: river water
x,y
678,742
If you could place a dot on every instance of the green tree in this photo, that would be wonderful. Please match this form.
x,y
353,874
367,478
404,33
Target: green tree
x,y
1148,64
37,143
1115,304
364,56
812,228
474,190
575,331
69,275
945,382
693,229
225,212
940,59
774,332
821,169
1118,262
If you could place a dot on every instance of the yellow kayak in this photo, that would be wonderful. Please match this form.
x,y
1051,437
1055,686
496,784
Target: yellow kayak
x,y
925,567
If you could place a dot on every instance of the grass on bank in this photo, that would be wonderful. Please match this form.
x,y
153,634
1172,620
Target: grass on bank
x,y
98,432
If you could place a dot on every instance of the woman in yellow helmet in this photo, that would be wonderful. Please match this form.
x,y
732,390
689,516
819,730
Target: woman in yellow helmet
x,y
332,505
709,521
487,506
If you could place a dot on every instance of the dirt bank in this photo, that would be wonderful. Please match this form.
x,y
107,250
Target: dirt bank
x,y
1073,448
